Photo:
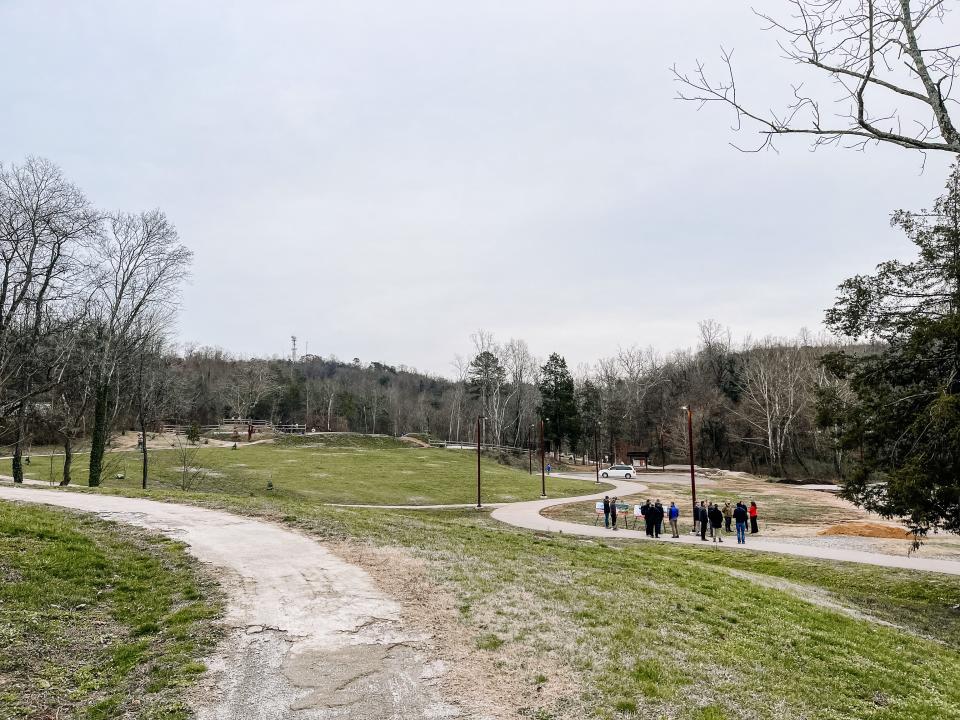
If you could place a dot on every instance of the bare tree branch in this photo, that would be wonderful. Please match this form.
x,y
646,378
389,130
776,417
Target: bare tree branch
x,y
873,52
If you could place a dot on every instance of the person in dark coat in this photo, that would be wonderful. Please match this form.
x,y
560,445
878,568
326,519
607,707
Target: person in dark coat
x,y
716,523
740,516
648,517
754,528
658,518
613,513
727,515
606,511
704,519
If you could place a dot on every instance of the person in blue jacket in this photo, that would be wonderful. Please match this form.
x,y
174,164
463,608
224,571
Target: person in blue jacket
x,y
740,516
673,513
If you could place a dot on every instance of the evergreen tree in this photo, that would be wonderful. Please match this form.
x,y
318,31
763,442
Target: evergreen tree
x,y
905,416
485,375
558,406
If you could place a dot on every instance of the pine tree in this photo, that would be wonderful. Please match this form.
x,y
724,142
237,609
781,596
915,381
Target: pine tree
x,y
558,406
905,419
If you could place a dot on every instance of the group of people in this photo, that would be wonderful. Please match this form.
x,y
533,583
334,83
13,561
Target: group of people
x,y
707,517
710,517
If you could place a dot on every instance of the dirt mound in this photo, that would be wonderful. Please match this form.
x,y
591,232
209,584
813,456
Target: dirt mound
x,y
868,529
413,441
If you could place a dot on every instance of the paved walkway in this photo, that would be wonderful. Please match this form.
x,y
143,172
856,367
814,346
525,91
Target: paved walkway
x,y
308,635
527,515
455,506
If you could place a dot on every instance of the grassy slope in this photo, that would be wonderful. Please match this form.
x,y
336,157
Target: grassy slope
x,y
668,631
96,620
656,630
338,469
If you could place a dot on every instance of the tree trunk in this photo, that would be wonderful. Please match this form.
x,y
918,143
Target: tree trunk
x,y
17,463
98,440
67,460
141,412
143,434
18,447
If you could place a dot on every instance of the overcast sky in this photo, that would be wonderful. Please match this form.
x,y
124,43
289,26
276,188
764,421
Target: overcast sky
x,y
383,178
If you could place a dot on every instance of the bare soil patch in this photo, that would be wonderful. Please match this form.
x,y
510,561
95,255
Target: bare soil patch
x,y
487,684
868,529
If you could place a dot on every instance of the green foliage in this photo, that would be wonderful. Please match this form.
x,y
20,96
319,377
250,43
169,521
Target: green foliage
x,y
485,375
558,406
904,419
489,641
891,302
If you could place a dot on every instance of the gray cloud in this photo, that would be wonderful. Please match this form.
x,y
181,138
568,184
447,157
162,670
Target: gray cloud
x,y
381,179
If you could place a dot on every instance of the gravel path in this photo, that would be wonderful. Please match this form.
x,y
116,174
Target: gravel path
x,y
527,515
310,636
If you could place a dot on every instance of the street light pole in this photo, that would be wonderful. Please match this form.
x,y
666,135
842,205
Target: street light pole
x,y
543,477
530,448
596,449
693,477
479,418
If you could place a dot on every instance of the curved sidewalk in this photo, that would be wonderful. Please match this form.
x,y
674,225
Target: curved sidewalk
x,y
527,515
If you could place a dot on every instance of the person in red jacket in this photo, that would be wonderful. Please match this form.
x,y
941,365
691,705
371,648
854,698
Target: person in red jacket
x,y
754,528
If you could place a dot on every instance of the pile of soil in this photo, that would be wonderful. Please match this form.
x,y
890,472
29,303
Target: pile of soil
x,y
868,529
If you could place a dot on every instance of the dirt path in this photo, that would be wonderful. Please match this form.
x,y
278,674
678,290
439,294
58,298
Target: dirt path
x,y
527,515
310,636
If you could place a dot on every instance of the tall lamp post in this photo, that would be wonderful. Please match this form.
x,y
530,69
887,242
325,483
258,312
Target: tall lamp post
x,y
530,448
596,449
480,418
543,477
693,477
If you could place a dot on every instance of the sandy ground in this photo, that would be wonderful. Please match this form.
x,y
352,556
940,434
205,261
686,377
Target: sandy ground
x,y
822,528
310,636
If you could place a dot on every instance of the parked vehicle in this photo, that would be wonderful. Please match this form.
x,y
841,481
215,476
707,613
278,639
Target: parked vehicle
x,y
622,471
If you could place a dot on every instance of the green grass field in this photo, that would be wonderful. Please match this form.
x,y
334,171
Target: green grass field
x,y
571,628
97,620
321,469
619,630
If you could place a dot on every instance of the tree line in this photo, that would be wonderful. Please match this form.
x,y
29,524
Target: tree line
x,y
86,300
755,404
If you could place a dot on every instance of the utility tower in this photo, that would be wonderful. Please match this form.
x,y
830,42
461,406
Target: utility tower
x,y
293,348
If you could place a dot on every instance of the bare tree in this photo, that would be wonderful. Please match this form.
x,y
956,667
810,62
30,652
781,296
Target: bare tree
x,y
459,392
247,384
142,265
892,62
72,397
153,392
519,364
642,371
189,473
776,382
44,225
